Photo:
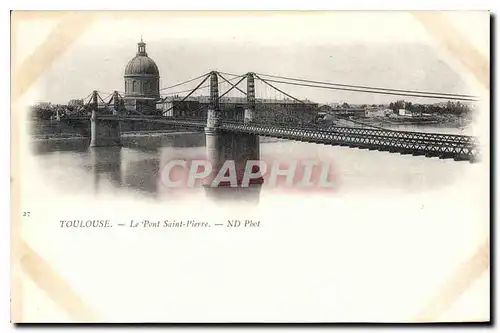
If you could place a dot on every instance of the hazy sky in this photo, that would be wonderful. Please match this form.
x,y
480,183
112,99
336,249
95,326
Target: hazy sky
x,y
377,49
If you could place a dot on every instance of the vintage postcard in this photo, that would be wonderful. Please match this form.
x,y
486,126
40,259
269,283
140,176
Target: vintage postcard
x,y
250,167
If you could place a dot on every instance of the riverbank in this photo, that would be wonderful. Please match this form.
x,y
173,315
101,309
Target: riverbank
x,y
53,129
72,136
450,121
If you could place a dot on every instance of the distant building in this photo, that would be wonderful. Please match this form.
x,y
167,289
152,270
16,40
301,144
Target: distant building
x,y
234,108
349,112
325,108
44,104
75,102
378,112
404,112
325,113
142,82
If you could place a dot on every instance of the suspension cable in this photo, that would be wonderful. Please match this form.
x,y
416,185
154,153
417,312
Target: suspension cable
x,y
229,74
111,99
187,96
242,77
188,81
281,91
98,95
233,86
290,96
183,91
87,97
218,98
205,86
222,77
90,99
375,92
134,110
296,99
110,96
371,88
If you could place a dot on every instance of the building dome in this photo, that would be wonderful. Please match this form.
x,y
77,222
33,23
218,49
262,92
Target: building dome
x,y
141,65
142,77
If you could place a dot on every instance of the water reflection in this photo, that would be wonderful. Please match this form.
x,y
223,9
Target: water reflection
x,y
135,167
153,142
143,176
105,165
42,147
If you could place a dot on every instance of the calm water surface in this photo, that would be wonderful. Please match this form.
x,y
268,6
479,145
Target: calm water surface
x,y
135,168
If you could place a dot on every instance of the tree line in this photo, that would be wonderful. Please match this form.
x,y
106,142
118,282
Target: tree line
x,y
455,108
50,111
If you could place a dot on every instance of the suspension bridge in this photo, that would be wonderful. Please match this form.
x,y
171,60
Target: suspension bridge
x,y
234,119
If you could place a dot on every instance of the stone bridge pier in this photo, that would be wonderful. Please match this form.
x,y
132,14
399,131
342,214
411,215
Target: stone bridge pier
x,y
227,146
104,132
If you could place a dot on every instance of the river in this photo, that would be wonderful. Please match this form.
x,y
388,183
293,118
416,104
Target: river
x,y
135,168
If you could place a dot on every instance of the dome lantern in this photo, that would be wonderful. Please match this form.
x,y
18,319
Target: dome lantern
x,y
141,48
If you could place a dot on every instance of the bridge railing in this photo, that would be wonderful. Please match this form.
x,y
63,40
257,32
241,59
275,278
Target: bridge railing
x,y
379,137
418,146
388,133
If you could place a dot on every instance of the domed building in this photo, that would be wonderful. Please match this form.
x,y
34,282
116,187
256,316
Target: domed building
x,y
142,82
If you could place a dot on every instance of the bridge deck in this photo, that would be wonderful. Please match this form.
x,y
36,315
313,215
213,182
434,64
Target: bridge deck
x,y
457,147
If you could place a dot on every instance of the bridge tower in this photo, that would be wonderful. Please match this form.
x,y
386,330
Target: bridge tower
x,y
225,146
116,103
104,130
250,107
